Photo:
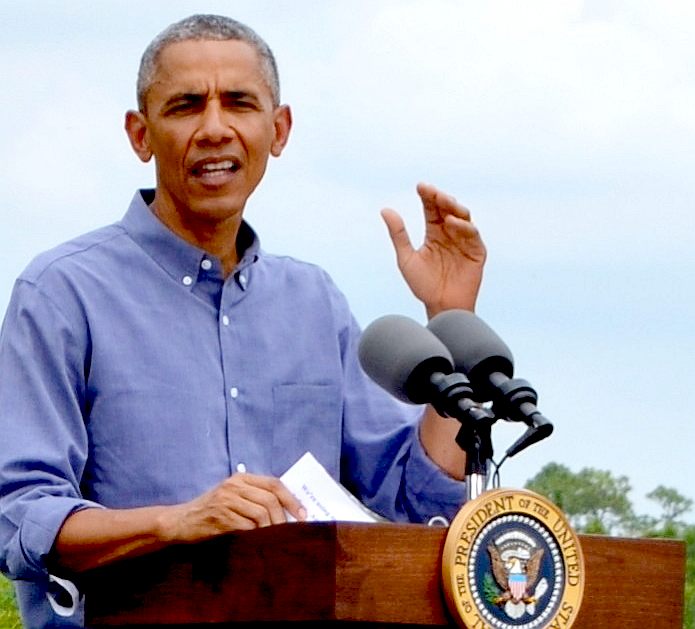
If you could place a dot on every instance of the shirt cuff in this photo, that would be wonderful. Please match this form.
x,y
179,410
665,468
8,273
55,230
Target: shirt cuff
x,y
37,532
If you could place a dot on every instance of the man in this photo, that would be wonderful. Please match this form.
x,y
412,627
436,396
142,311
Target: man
x,y
159,374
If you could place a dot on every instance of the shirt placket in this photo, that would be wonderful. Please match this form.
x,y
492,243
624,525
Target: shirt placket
x,y
231,344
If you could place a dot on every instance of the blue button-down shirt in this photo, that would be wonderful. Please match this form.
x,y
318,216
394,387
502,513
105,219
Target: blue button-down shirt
x,y
134,374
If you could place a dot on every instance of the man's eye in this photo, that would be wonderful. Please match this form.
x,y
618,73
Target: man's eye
x,y
181,107
241,104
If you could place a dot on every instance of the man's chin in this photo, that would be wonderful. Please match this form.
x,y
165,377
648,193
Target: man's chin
x,y
216,210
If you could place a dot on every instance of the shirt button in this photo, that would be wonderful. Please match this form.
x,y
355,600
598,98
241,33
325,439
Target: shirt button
x,y
206,264
234,392
225,320
187,280
242,280
241,468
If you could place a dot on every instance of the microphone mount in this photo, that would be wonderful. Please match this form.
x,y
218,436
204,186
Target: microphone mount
x,y
515,400
451,395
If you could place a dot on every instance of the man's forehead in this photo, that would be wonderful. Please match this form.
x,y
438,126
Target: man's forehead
x,y
197,57
193,65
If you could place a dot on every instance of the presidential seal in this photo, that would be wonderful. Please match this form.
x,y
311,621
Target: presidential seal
x,y
512,561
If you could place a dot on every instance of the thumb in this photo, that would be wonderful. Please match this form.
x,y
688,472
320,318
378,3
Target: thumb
x,y
397,232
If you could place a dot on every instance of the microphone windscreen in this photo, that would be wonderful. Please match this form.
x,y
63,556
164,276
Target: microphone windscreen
x,y
474,346
399,354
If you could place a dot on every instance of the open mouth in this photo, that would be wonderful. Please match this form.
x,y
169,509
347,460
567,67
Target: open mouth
x,y
213,170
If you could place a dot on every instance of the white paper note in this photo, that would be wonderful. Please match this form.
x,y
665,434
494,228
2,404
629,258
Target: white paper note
x,y
323,498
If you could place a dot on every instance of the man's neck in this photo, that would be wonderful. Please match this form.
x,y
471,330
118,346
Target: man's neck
x,y
218,238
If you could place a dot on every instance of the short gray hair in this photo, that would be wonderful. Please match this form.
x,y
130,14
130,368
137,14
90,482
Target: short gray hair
x,y
202,27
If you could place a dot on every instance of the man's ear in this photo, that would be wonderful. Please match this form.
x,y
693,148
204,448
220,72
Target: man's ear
x,y
283,124
136,128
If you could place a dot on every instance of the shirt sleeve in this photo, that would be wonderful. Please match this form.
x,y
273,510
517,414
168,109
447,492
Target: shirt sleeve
x,y
43,362
383,460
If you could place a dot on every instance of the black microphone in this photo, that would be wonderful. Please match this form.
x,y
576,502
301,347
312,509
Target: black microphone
x,y
411,363
487,361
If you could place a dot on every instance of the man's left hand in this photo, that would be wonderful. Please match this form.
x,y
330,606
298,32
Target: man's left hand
x,y
446,271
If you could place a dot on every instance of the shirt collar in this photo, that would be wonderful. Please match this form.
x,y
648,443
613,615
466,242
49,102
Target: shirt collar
x,y
177,257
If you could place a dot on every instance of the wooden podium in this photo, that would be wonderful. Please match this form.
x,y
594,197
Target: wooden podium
x,y
374,575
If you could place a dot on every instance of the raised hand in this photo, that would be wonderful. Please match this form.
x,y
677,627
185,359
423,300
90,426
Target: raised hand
x,y
446,271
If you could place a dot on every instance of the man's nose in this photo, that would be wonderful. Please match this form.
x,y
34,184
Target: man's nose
x,y
214,128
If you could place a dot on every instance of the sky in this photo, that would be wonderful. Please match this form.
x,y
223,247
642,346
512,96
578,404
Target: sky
x,y
567,127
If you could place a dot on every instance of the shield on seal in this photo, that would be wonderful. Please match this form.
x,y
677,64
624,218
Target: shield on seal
x,y
517,585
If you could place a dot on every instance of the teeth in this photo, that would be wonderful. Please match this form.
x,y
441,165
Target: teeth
x,y
217,166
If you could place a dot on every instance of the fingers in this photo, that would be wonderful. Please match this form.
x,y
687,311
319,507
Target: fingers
x,y
260,499
240,502
443,214
439,208
283,496
268,499
398,233
438,204
461,228
443,211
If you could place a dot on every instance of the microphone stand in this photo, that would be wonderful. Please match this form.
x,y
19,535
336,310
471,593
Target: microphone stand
x,y
475,440
454,399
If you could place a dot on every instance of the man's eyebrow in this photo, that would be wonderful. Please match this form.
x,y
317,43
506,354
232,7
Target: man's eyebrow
x,y
238,95
197,97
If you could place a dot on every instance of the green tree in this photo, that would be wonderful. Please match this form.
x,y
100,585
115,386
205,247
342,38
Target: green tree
x,y
673,505
595,501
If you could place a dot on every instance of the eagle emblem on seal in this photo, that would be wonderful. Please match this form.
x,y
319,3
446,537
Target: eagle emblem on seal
x,y
516,572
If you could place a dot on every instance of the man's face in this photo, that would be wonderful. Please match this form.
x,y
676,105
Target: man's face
x,y
210,124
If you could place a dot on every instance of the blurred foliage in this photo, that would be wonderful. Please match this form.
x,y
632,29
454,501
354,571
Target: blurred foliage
x,y
9,617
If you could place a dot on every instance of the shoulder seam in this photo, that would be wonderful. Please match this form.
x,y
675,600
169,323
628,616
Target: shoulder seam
x,y
69,254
